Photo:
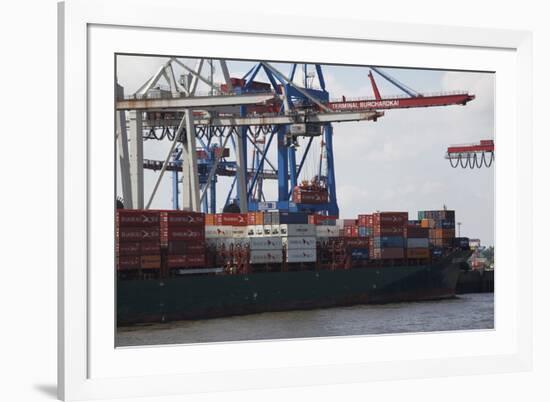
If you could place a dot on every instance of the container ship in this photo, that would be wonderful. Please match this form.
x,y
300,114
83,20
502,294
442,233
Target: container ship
x,y
177,265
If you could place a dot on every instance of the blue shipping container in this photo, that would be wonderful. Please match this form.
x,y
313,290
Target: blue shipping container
x,y
288,218
437,252
359,254
389,242
445,224
365,231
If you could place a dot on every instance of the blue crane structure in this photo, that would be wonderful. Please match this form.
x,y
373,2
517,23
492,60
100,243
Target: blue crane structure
x,y
287,170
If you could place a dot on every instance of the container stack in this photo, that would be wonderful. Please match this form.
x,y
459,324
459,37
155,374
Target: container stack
x,y
137,240
365,225
224,233
300,243
418,246
358,249
388,241
326,227
266,250
441,225
183,234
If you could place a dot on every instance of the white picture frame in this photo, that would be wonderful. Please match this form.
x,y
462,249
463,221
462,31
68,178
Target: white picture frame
x,y
90,367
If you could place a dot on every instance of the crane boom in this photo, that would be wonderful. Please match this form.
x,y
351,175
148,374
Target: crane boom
x,y
460,98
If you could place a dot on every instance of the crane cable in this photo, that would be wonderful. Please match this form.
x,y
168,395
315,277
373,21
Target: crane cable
x,y
471,160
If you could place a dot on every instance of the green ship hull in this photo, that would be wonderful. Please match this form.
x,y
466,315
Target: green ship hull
x,y
197,297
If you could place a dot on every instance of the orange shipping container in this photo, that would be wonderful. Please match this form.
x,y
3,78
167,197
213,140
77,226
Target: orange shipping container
x,y
210,219
418,253
427,223
150,261
255,218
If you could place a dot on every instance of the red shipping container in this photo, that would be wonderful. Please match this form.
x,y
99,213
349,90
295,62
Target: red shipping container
x,y
301,196
176,261
231,219
358,242
317,219
388,253
416,232
186,261
390,218
196,247
137,217
186,247
351,231
128,248
182,218
128,262
389,230
177,247
150,247
183,233
195,260
365,220
219,153
137,234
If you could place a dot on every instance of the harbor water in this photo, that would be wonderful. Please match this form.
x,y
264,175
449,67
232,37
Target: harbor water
x,y
466,311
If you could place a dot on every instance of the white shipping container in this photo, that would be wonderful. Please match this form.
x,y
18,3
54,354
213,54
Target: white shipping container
x,y
297,230
266,243
301,255
340,223
255,230
239,232
266,230
275,230
417,243
299,242
327,231
258,230
241,241
266,256
215,232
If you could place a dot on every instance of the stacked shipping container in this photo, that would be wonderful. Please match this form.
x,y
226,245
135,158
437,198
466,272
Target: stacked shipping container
x,y
418,246
441,225
388,241
137,240
299,241
183,235
225,233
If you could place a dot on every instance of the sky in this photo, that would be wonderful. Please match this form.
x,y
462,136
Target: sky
x,y
394,164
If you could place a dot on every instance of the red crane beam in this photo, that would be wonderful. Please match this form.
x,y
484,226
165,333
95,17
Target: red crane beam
x,y
483,146
402,103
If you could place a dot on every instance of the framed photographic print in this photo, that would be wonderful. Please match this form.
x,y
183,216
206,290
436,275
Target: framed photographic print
x,y
242,199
